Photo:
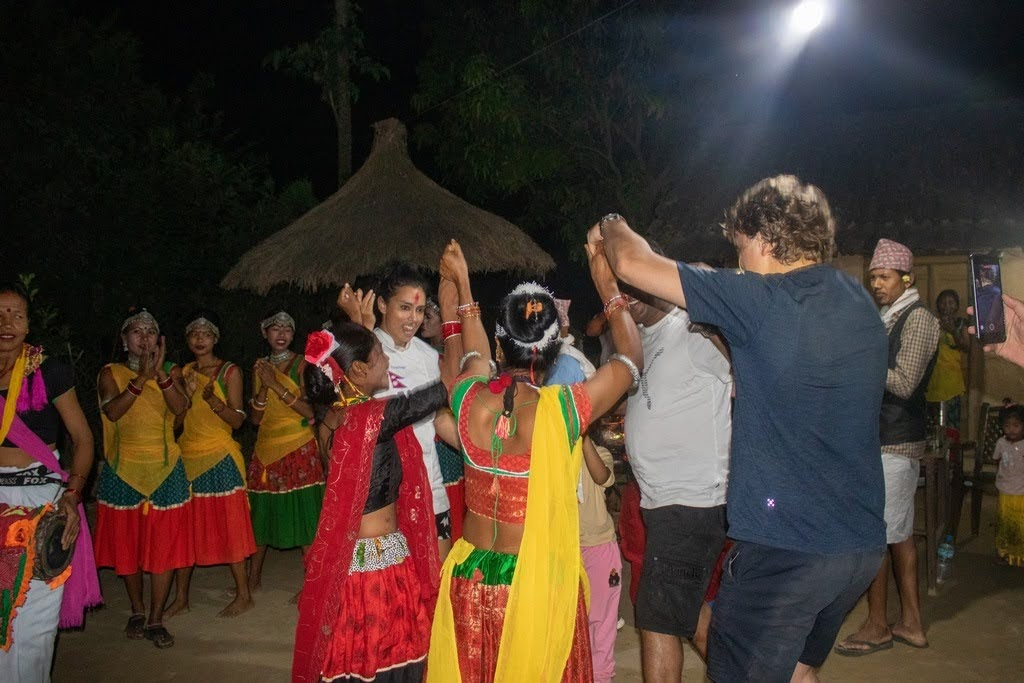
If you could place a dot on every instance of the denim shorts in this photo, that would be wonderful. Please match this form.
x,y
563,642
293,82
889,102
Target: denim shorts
x,y
779,607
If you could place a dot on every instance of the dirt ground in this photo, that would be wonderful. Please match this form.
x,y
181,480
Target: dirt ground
x,y
975,625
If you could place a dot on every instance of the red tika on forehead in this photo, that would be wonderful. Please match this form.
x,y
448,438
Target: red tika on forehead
x,y
416,297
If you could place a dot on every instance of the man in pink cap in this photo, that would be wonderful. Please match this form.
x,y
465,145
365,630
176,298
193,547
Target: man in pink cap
x,y
913,343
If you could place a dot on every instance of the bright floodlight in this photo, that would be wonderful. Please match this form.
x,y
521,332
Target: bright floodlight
x,y
807,16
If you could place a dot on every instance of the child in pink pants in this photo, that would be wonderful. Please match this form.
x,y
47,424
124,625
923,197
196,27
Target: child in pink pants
x,y
601,557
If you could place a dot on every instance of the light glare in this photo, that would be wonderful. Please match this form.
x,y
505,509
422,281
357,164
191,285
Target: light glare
x,y
807,16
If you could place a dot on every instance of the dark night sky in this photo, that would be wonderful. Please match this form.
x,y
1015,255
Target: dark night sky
x,y
873,55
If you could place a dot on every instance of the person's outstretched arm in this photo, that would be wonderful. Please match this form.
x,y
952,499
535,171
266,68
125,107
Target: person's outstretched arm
x,y
635,263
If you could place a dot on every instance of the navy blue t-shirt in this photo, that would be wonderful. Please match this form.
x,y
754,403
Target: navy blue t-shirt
x,y
809,354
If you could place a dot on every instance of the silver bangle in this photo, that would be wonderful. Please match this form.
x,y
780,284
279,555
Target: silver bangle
x,y
631,366
466,358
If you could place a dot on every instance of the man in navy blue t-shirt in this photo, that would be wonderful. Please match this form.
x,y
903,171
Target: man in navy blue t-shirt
x,y
805,495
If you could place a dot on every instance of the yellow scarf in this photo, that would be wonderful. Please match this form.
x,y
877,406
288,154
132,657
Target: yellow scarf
x,y
140,446
207,439
13,389
282,430
541,612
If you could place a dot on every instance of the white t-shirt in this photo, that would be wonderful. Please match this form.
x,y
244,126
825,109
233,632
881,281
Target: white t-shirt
x,y
678,423
410,368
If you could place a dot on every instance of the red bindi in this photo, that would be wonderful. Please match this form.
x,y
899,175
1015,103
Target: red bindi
x,y
416,297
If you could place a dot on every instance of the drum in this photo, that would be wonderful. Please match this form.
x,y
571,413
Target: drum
x,y
51,558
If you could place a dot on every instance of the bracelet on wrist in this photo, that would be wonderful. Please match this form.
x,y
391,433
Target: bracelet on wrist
x,y
133,389
165,384
634,371
470,310
295,399
77,492
450,329
257,405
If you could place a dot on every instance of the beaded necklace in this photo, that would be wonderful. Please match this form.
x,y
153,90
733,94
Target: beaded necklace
x,y
277,358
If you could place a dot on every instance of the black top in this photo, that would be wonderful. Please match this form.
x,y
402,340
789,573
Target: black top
x,y
399,412
903,419
58,380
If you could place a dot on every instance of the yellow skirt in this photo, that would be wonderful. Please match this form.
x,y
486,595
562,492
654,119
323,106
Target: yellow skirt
x,y
1010,536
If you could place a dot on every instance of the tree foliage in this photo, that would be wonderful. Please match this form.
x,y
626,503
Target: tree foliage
x,y
115,195
579,125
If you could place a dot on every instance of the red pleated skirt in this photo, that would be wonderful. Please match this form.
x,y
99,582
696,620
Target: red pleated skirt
x,y
223,529
382,626
144,538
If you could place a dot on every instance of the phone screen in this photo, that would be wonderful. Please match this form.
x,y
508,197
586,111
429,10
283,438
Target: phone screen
x,y
987,288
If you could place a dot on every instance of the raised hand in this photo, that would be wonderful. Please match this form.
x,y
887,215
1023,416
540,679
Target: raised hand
x,y
453,263
447,295
601,271
266,371
366,308
348,302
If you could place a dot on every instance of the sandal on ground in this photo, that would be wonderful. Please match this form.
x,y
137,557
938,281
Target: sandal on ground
x,y
905,641
160,636
851,647
135,627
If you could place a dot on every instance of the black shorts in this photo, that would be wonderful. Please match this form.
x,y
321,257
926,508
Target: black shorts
x,y
683,545
443,521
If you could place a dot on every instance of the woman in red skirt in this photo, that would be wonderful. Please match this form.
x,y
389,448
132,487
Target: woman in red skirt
x,y
144,517
213,463
372,571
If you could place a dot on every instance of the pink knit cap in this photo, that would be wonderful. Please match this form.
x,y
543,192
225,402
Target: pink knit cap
x,y
562,306
893,255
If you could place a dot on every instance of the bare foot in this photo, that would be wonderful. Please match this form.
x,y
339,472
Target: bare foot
x,y
236,607
908,636
177,607
254,584
295,598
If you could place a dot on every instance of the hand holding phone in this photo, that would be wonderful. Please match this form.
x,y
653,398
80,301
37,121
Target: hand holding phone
x,y
987,296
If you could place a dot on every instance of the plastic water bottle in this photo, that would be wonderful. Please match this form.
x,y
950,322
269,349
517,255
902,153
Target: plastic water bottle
x,y
944,569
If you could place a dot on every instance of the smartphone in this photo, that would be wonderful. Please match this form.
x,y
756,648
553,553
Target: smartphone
x,y
987,293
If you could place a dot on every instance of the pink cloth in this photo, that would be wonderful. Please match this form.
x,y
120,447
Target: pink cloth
x,y
892,255
82,589
604,571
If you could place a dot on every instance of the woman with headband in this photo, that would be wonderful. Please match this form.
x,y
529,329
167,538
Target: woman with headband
x,y
285,478
372,572
37,396
213,463
144,518
512,600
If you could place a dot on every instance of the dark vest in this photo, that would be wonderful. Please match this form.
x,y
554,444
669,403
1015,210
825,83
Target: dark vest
x,y
903,419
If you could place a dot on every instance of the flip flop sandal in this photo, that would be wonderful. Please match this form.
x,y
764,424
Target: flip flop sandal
x,y
866,647
136,626
901,639
160,636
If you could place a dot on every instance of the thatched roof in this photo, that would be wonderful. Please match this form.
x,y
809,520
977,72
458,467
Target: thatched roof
x,y
388,211
942,179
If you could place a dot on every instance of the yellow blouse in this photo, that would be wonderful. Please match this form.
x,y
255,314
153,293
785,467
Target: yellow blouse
x,y
207,439
140,446
282,430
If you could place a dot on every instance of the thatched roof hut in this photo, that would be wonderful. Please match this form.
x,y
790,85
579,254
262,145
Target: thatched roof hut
x,y
943,180
388,211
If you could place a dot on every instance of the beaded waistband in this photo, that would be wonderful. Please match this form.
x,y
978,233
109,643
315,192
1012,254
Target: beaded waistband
x,y
380,552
